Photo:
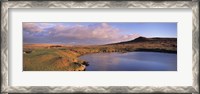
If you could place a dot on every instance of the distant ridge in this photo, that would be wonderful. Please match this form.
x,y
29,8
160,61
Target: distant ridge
x,y
139,39
144,39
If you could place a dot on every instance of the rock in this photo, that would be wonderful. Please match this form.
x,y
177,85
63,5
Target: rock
x,y
85,63
81,68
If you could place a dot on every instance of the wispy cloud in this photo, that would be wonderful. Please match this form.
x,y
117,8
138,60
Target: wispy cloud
x,y
96,33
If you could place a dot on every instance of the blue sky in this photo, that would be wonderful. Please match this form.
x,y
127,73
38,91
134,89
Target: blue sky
x,y
149,29
94,32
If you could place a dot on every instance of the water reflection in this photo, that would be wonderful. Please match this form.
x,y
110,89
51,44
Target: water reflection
x,y
132,61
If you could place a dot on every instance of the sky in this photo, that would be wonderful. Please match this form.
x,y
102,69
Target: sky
x,y
94,33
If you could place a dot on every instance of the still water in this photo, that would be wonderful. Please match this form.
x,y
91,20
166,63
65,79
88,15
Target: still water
x,y
131,61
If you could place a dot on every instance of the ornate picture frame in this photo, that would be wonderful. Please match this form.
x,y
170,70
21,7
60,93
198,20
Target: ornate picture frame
x,y
6,5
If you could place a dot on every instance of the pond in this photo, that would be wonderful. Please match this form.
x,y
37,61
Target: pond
x,y
131,61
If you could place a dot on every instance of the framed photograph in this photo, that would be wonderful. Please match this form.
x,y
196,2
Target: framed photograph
x,y
100,47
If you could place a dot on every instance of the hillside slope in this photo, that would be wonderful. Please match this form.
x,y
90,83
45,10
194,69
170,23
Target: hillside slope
x,y
144,39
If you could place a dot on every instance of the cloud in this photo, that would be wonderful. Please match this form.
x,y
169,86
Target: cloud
x,y
101,33
31,27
